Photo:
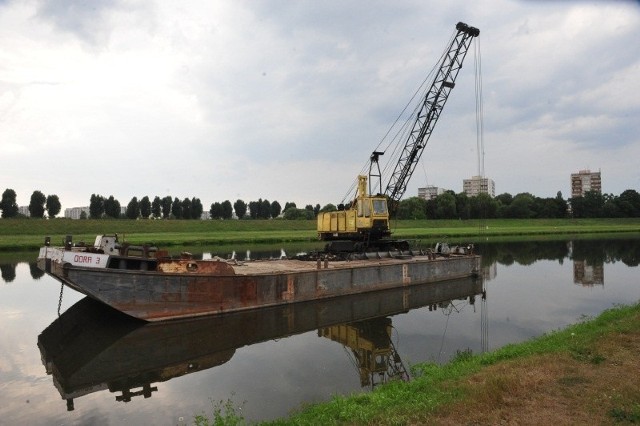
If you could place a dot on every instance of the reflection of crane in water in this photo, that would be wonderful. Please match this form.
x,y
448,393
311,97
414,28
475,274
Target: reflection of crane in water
x,y
374,354
371,348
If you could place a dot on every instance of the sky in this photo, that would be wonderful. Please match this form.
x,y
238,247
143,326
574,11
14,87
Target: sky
x,y
286,100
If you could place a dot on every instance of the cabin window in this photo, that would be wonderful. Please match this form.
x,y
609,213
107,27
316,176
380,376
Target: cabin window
x,y
364,208
379,207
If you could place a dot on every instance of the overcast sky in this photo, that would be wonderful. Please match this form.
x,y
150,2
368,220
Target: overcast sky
x,y
285,100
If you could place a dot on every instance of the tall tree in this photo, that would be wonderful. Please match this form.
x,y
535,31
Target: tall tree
x,y
186,208
8,204
240,207
265,209
167,204
96,206
254,209
275,209
145,207
216,210
112,207
227,210
176,208
133,209
196,208
53,205
156,207
36,204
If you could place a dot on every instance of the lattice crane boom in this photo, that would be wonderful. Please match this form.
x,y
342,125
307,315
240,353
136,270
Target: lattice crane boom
x,y
429,112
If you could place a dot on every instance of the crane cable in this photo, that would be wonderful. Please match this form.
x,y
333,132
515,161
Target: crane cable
x,y
479,110
399,138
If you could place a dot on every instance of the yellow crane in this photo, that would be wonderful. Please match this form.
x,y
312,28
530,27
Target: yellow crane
x,y
364,223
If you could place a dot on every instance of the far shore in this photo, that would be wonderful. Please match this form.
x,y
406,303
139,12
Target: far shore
x,y
28,234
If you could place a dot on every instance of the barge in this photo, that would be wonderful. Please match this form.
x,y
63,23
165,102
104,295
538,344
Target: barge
x,y
148,284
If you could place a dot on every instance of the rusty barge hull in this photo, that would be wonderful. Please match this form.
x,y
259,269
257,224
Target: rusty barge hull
x,y
157,295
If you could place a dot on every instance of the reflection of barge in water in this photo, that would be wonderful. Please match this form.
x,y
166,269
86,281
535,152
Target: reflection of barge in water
x,y
91,347
147,284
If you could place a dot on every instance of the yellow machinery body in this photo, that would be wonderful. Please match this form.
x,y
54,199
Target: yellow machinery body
x,y
366,218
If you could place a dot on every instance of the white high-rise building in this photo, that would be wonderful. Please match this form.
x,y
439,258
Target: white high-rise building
x,y
479,185
429,192
76,212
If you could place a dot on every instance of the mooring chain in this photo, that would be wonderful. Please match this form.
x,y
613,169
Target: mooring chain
x,y
60,298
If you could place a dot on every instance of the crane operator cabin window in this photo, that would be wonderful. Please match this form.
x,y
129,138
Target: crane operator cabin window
x,y
379,207
364,208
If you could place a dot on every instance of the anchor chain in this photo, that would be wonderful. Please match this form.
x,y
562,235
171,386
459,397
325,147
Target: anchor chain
x,y
60,298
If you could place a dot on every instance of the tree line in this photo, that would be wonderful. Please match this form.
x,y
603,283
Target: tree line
x,y
159,208
167,207
191,208
448,205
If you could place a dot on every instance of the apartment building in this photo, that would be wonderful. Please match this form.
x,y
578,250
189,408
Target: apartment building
x,y
584,181
479,185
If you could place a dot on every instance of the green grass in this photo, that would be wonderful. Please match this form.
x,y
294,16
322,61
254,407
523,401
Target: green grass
x,y
499,227
28,234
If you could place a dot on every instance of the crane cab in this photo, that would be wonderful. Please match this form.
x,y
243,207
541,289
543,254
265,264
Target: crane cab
x,y
367,218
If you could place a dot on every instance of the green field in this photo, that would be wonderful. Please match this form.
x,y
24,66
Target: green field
x,y
28,234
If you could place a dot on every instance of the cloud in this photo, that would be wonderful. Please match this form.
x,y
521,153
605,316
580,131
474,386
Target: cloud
x,y
226,100
91,22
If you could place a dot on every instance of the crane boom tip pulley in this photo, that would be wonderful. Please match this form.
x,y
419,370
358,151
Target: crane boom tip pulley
x,y
472,31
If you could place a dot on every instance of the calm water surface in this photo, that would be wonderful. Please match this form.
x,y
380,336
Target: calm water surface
x,y
71,361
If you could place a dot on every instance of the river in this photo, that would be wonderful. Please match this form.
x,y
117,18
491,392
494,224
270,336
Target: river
x,y
67,360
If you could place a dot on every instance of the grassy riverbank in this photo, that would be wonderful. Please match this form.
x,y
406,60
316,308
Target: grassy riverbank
x,y
28,234
584,374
